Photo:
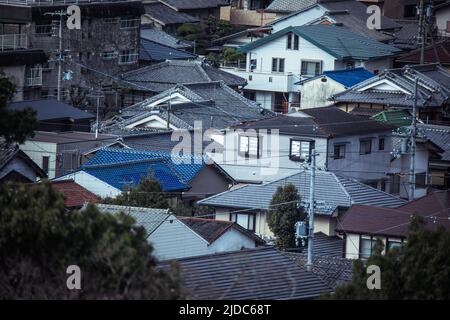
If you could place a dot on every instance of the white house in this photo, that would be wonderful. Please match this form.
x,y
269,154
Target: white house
x,y
442,14
275,63
175,237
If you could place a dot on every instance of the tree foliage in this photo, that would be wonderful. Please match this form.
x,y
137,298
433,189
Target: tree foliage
x,y
283,214
39,239
419,270
15,126
148,193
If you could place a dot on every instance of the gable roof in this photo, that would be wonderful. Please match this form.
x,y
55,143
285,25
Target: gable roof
x,y
216,104
262,273
76,195
433,88
166,15
287,6
197,4
164,75
212,229
338,41
440,53
48,109
335,191
10,151
152,33
363,219
154,51
439,135
149,218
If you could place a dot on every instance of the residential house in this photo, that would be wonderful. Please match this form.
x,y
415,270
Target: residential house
x,y
276,62
285,7
252,274
200,9
150,80
442,17
394,88
316,91
248,204
188,177
107,43
180,237
54,115
19,60
362,225
210,105
154,34
75,195
164,17
16,165
395,9
247,13
151,52
438,53
58,153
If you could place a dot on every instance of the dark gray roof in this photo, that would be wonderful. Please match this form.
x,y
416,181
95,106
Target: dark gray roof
x,y
214,103
47,109
166,15
154,34
406,37
433,90
9,151
287,6
154,51
334,271
253,274
164,75
332,190
197,4
440,135
149,218
328,246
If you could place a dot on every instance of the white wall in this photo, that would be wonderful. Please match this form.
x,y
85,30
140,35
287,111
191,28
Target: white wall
x,y
315,93
442,18
231,240
175,240
92,184
36,150
300,19
352,246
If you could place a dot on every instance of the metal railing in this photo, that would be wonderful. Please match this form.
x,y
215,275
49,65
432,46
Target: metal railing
x,y
13,41
128,58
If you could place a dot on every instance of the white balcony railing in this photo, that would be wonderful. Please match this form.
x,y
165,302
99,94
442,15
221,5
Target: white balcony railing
x,y
267,81
13,41
128,58
34,77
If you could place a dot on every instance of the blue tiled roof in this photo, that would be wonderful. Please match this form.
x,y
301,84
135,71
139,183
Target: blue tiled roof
x,y
153,51
124,166
349,77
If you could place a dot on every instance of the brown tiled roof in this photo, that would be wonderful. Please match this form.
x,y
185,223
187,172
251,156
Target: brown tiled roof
x,y
364,219
442,49
76,195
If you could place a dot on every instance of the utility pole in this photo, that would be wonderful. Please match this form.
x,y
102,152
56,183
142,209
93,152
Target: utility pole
x,y
169,109
412,175
421,31
309,263
96,127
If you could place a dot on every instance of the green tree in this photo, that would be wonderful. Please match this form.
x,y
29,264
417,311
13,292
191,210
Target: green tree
x,y
148,193
283,214
419,270
39,239
15,126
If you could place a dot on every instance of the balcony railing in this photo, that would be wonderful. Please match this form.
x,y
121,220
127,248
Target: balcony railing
x,y
128,58
13,41
34,77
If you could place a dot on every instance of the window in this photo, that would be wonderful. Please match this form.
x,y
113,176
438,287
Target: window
x,y
249,147
277,65
45,163
410,11
365,147
366,245
245,220
395,184
339,151
127,24
292,41
381,144
311,68
128,57
421,180
300,150
391,244
108,55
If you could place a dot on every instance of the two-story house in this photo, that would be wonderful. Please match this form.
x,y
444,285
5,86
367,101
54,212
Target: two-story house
x,y
276,62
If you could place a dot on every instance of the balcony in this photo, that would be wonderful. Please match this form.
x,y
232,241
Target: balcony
x,y
265,81
13,41
33,77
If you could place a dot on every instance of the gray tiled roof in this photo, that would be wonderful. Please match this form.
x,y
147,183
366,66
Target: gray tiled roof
x,y
154,51
166,15
162,76
433,90
154,34
331,190
285,6
149,218
439,135
253,274
197,4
